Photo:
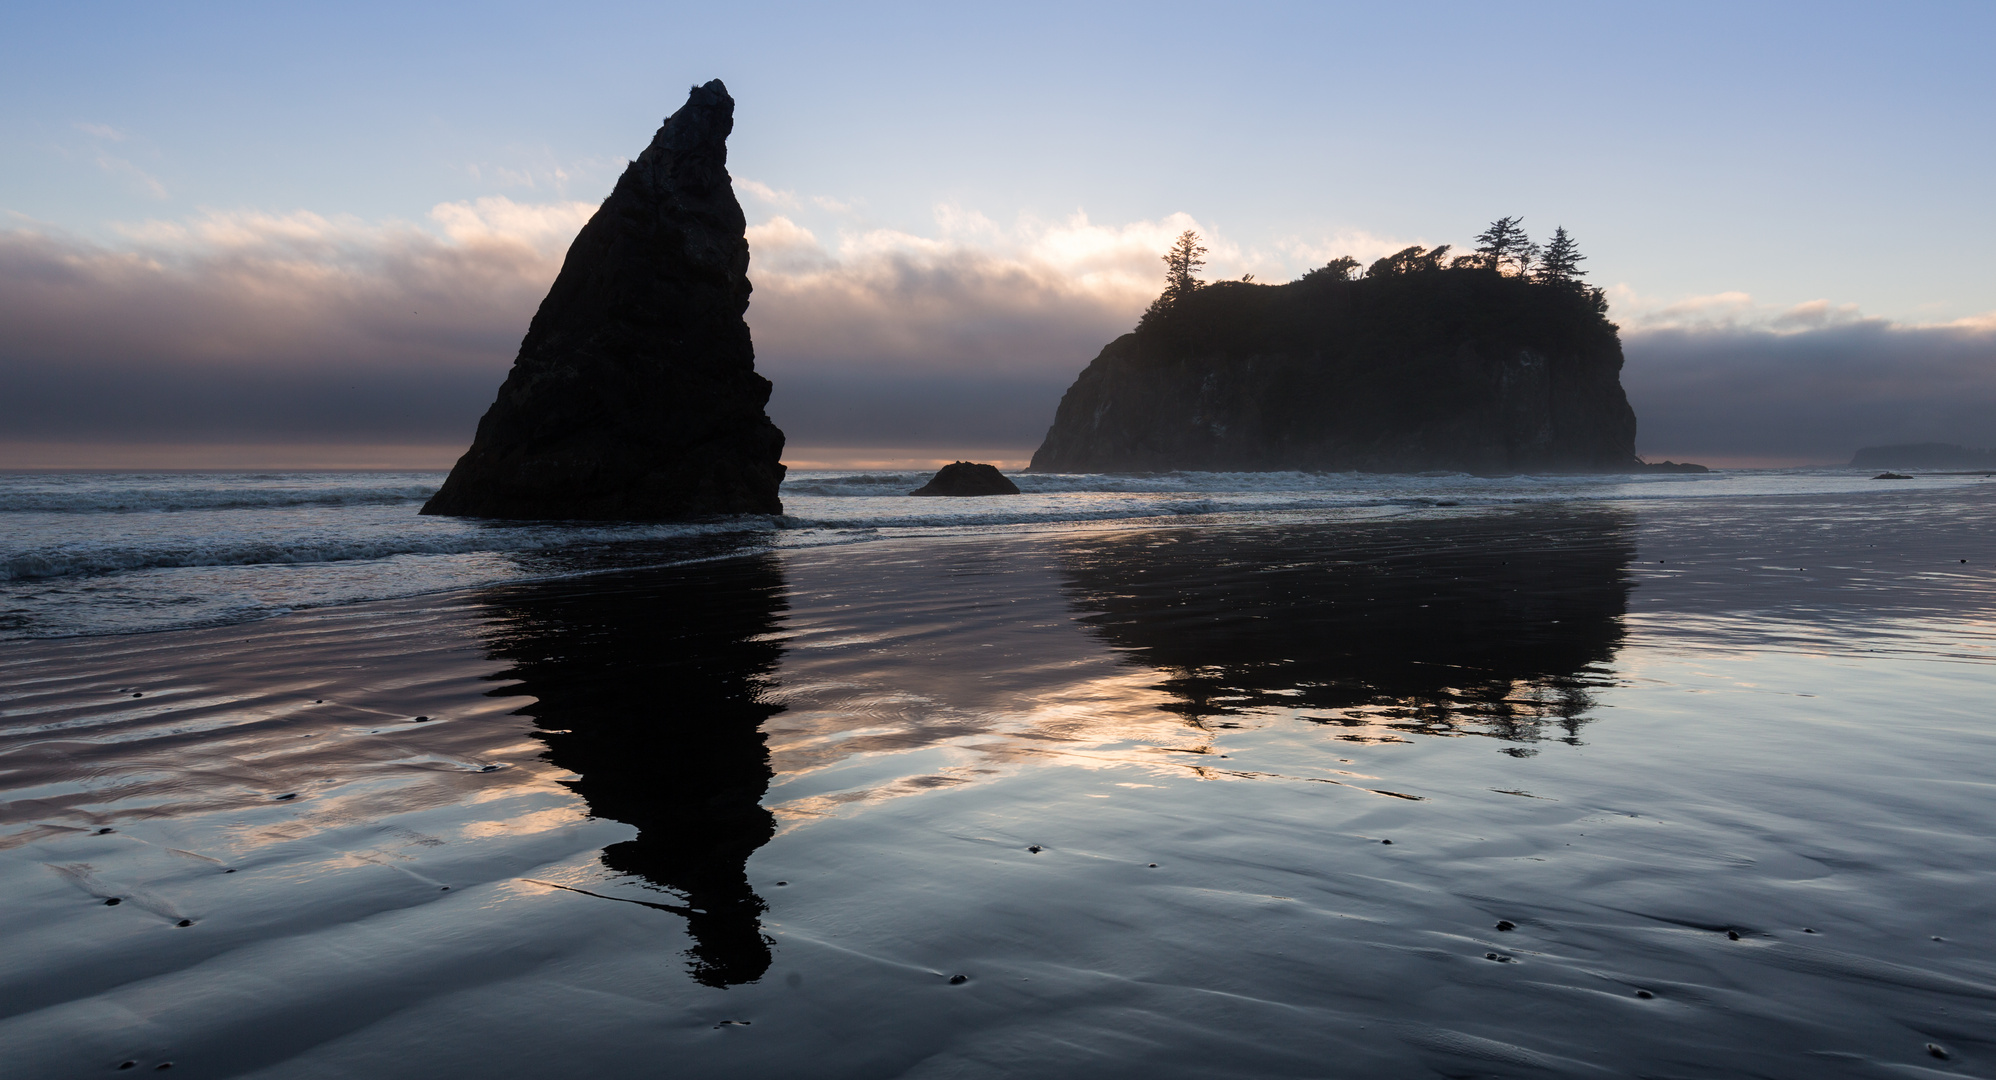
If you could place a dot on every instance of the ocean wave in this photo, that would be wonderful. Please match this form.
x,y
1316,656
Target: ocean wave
x,y
81,559
888,484
114,500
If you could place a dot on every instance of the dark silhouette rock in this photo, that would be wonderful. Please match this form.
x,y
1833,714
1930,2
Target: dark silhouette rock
x,y
1457,369
1668,467
1891,476
634,395
652,686
968,478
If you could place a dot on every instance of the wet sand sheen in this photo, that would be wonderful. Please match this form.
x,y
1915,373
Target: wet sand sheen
x,y
1658,774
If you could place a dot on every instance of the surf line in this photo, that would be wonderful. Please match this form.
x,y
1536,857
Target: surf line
x,y
674,908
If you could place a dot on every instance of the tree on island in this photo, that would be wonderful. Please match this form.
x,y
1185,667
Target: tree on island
x,y
1339,269
1181,274
1504,246
1560,264
1412,260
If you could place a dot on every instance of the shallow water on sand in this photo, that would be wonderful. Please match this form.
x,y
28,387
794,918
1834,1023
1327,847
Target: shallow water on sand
x,y
1723,768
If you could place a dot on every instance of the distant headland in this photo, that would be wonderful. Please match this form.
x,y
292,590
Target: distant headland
x,y
1496,361
1923,456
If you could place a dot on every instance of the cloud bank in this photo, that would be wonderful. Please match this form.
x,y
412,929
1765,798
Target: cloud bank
x,y
1723,378
298,328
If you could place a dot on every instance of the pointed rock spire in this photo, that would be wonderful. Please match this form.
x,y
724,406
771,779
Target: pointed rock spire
x,y
634,396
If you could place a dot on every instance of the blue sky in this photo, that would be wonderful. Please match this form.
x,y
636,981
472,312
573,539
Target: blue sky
x,y
1721,164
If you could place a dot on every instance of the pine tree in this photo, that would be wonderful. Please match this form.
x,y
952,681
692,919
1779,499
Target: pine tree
x,y
1561,263
1505,246
1181,267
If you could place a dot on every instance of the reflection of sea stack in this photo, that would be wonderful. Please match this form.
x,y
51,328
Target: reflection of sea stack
x,y
634,395
1487,624
968,478
652,688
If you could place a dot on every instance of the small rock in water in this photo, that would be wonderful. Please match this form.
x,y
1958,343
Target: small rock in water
x,y
1732,935
1386,841
490,768
113,902
443,888
162,1066
1499,957
958,980
1036,849
287,797
781,883
732,1023
1644,994
1153,866
1506,924
968,478
101,832
1806,930
128,1065
138,695
420,720
185,922
1891,476
1937,1050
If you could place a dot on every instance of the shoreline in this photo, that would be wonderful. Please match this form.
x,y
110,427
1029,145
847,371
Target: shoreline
x,y
819,775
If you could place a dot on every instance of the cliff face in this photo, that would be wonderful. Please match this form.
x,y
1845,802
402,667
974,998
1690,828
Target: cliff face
x,y
1461,370
634,395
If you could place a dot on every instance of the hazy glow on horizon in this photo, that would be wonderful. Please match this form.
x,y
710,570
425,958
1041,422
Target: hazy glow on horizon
x,y
204,248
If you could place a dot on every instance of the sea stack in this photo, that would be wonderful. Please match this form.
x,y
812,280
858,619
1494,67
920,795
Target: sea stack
x,y
1410,368
634,396
962,478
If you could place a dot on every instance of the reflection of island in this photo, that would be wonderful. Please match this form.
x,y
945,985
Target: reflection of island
x,y
1488,624
650,685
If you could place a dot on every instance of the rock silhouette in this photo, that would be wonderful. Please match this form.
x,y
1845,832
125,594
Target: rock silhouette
x,y
634,395
652,687
1457,369
968,478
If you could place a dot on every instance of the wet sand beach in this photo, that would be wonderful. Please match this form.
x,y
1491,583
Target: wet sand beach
x,y
1690,788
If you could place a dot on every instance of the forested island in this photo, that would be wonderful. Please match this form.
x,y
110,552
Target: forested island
x,y
1498,360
